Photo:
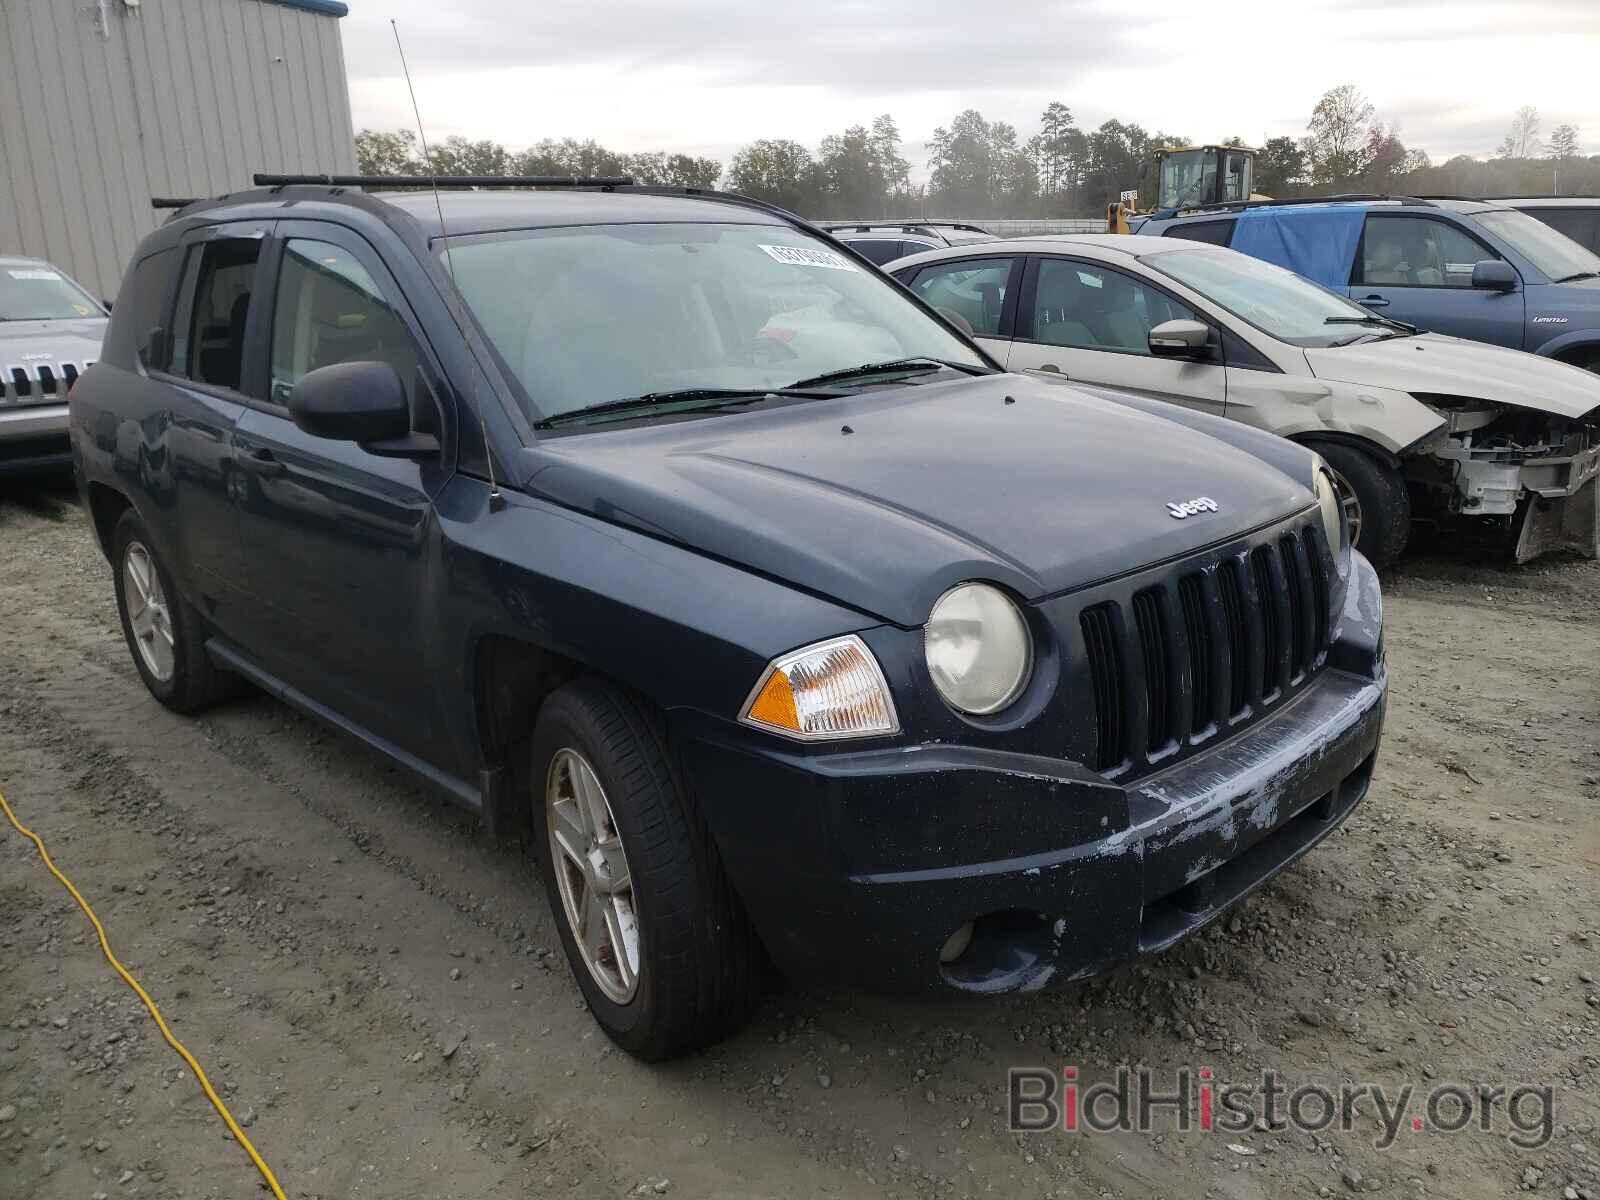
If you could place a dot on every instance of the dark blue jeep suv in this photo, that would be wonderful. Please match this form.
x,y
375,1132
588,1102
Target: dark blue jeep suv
x,y
793,625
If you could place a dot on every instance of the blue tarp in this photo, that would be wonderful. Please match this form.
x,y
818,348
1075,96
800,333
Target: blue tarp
x,y
1314,240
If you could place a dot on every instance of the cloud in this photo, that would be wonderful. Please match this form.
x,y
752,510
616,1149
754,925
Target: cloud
x,y
708,75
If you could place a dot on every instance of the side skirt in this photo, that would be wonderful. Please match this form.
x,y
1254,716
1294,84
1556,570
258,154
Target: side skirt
x,y
458,790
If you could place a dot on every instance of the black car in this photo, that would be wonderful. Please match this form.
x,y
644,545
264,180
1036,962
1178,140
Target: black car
x,y
884,241
794,625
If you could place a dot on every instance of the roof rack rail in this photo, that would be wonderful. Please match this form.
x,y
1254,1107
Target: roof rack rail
x,y
1241,205
173,201
444,181
901,224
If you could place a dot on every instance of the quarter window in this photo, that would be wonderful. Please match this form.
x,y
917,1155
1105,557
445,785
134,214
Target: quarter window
x,y
1090,307
1399,251
330,310
1215,233
219,277
971,292
876,251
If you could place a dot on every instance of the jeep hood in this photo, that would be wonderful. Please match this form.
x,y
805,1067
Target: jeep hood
x,y
75,342
885,499
1433,363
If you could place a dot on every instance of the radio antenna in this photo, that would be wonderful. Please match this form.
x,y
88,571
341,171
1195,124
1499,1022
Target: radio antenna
x,y
495,499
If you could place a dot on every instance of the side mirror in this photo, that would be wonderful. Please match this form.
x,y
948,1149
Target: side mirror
x,y
1180,339
362,402
1495,275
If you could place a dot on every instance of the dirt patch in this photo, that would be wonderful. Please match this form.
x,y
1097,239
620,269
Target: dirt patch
x,y
380,991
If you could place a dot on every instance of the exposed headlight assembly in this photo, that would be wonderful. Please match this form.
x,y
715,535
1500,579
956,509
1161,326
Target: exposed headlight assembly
x,y
1332,509
978,649
825,692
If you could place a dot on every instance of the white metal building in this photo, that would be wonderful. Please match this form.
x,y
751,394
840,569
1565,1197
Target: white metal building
x,y
106,103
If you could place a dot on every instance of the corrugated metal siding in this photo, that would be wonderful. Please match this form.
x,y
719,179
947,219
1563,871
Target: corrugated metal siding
x,y
171,98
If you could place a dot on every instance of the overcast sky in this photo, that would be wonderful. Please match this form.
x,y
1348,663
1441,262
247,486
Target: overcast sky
x,y
707,76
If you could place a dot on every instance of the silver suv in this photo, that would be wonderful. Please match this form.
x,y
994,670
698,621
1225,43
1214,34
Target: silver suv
x,y
50,333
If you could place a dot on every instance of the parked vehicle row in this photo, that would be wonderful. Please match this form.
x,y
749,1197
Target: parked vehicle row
x,y
1415,425
795,625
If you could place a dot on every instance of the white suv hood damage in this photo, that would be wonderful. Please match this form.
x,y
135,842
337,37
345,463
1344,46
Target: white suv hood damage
x,y
1433,363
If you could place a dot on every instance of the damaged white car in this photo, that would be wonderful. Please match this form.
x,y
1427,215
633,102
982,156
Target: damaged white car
x,y
1415,426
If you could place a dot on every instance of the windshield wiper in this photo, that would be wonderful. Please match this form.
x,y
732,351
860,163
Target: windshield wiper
x,y
1372,319
894,366
715,398
1573,278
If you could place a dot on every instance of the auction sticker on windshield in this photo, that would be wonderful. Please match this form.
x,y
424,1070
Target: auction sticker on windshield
x,y
806,256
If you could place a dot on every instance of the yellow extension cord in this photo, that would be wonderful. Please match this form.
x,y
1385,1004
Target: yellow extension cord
x,y
183,1053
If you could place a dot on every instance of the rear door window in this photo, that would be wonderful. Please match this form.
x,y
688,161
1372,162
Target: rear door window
x,y
214,304
1405,251
970,291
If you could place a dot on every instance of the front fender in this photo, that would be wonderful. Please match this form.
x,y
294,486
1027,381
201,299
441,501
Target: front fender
x,y
1296,407
684,630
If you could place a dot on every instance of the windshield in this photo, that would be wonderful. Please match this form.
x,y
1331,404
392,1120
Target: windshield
x,y
1188,177
1555,254
1274,300
592,314
36,292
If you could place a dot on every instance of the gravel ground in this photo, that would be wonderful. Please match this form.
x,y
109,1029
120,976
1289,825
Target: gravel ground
x,y
378,990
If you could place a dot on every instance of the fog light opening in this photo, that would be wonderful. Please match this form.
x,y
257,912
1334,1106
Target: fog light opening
x,y
956,944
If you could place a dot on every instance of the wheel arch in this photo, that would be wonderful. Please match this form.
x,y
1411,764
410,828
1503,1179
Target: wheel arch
x,y
106,506
1576,352
1310,438
510,680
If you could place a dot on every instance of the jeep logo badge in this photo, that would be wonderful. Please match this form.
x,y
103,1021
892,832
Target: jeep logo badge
x,y
1190,507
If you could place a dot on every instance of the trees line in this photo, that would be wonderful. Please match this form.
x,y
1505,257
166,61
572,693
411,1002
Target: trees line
x,y
981,168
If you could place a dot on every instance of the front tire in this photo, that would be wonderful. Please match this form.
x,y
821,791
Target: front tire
x,y
165,634
653,933
1376,502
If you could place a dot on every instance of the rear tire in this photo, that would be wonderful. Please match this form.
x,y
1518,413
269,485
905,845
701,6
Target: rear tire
x,y
165,634
1380,495
673,964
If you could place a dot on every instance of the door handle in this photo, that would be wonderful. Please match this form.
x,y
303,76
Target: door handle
x,y
1050,367
262,462
1373,302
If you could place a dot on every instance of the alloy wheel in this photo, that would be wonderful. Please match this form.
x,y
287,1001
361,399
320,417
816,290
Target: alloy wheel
x,y
1350,502
592,875
149,616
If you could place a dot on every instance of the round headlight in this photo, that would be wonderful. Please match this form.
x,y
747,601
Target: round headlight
x,y
978,649
1332,510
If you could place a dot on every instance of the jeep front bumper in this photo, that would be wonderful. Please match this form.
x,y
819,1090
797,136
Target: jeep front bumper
x,y
33,438
858,867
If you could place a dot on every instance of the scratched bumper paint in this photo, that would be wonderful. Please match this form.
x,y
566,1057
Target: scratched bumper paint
x,y
885,853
